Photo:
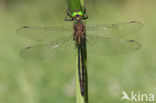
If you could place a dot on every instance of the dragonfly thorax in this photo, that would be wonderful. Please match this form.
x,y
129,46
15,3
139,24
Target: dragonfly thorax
x,y
79,31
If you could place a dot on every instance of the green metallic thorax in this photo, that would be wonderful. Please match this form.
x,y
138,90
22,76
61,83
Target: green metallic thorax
x,y
75,7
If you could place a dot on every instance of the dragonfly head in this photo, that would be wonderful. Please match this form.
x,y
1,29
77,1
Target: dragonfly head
x,y
78,17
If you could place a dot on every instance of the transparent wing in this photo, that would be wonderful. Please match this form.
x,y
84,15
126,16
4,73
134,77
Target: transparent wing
x,y
114,30
52,50
111,46
45,34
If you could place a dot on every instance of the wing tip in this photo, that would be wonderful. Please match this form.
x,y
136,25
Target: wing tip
x,y
137,22
136,42
18,29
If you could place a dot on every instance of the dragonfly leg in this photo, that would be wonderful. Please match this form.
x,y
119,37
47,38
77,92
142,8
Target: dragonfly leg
x,y
86,16
68,15
84,10
68,19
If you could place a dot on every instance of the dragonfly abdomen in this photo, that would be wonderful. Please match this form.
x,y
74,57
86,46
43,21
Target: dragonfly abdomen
x,y
81,70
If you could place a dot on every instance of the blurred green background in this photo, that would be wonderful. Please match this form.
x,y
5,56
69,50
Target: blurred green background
x,y
37,81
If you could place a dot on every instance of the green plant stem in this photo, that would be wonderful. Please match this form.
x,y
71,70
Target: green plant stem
x,y
82,2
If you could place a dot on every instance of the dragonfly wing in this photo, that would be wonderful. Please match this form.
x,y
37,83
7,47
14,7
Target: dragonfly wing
x,y
114,30
45,34
111,46
52,50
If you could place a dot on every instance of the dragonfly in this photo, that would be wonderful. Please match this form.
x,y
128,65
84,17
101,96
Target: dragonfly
x,y
62,41
102,40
